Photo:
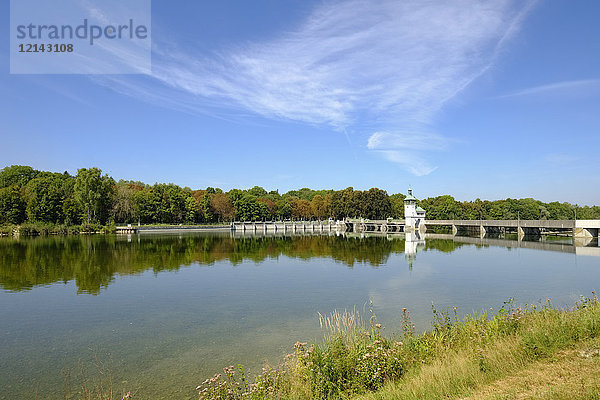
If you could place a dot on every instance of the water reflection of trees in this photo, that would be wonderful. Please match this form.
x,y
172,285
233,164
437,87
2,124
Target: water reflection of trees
x,y
94,261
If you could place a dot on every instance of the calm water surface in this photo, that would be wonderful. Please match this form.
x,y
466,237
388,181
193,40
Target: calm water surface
x,y
163,312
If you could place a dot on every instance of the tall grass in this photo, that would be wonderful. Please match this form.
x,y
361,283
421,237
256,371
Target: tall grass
x,y
346,324
453,359
92,382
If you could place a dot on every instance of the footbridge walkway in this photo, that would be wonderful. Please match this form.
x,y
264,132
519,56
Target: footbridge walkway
x,y
576,228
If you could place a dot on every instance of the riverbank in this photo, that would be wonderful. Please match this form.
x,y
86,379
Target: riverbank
x,y
45,229
532,352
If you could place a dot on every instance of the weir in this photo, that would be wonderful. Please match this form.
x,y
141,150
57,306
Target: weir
x,y
290,226
582,229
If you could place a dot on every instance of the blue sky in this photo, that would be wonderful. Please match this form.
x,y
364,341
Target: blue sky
x,y
478,99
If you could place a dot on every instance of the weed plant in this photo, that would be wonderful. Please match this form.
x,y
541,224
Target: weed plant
x,y
452,359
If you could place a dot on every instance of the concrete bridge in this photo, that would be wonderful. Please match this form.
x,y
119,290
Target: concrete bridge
x,y
575,228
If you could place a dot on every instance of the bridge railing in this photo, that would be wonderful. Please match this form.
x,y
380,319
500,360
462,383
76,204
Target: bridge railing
x,y
513,223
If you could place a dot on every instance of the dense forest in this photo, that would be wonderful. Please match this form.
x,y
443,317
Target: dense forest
x,y
31,196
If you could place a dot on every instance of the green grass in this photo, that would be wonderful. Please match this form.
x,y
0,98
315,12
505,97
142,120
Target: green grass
x,y
44,229
479,356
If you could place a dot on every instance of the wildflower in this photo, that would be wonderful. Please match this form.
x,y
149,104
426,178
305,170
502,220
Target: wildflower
x,y
299,345
378,326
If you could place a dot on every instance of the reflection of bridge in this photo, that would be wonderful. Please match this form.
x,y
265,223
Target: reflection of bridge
x,y
578,246
365,225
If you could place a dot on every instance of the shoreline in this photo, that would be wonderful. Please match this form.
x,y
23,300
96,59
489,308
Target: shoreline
x,y
475,357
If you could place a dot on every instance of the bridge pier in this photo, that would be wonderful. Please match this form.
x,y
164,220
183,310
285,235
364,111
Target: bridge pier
x,y
585,232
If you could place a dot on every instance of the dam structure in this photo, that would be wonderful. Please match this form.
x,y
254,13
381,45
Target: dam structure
x,y
414,221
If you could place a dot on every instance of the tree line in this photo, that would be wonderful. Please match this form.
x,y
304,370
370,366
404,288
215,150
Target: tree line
x,y
90,197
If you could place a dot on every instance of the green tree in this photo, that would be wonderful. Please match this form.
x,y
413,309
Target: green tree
x,y
377,204
145,206
442,207
257,191
12,205
95,194
208,212
397,204
283,209
45,196
16,175
267,207
124,203
192,212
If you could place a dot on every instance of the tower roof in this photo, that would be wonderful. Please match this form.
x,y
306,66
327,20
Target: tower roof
x,y
410,195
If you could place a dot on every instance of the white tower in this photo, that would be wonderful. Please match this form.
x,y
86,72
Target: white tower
x,y
413,215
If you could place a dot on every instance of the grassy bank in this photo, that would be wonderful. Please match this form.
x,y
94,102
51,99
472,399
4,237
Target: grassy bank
x,y
43,229
531,352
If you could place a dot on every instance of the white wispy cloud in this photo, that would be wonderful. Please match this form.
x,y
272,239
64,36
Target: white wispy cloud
x,y
560,88
406,140
413,162
561,159
407,149
359,63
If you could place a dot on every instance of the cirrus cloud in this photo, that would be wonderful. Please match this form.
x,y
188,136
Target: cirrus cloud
x,y
353,64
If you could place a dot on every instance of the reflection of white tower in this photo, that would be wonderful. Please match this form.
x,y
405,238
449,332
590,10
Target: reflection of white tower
x,y
414,216
412,243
